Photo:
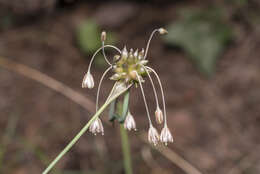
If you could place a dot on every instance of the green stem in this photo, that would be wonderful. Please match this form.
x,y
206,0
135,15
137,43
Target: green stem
x,y
82,131
122,109
126,150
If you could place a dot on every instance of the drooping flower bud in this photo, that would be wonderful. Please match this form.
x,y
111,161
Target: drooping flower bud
x,y
96,127
158,115
162,31
88,81
129,123
153,136
166,136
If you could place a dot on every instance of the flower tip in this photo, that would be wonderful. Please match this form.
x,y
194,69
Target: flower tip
x,y
88,81
162,31
103,36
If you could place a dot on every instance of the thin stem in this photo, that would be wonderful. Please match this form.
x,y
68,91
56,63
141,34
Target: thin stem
x,y
159,81
99,86
145,103
110,46
154,90
121,108
82,131
103,50
148,43
126,150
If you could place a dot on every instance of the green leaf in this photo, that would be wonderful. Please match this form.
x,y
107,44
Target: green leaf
x,y
203,35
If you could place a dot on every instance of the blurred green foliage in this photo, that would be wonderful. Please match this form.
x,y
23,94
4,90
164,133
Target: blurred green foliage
x,y
202,34
6,21
88,39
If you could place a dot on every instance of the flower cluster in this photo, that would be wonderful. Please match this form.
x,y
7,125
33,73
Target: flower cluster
x,y
130,67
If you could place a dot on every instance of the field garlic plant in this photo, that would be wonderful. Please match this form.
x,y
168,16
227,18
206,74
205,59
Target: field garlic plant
x,y
130,68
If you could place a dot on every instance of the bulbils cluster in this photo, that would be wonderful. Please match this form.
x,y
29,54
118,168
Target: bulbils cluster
x,y
127,64
130,67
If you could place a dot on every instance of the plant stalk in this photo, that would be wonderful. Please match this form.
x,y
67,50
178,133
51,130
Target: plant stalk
x,y
82,131
126,150
122,109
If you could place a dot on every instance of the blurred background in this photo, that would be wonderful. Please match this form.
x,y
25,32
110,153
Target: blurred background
x,y
209,64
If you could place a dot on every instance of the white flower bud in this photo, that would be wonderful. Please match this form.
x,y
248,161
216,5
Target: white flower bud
x,y
88,81
96,127
158,115
103,36
166,136
129,123
162,31
153,136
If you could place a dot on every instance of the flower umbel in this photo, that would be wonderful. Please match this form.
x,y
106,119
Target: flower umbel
x,y
130,67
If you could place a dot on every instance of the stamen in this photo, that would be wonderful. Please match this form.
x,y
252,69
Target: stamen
x,y
145,103
159,81
110,46
148,43
99,85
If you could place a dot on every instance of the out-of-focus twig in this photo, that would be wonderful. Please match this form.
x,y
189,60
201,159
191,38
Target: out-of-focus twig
x,y
49,82
246,162
88,105
173,157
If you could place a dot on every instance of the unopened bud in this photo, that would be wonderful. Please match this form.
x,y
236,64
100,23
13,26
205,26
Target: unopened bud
x,y
103,36
159,115
162,31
